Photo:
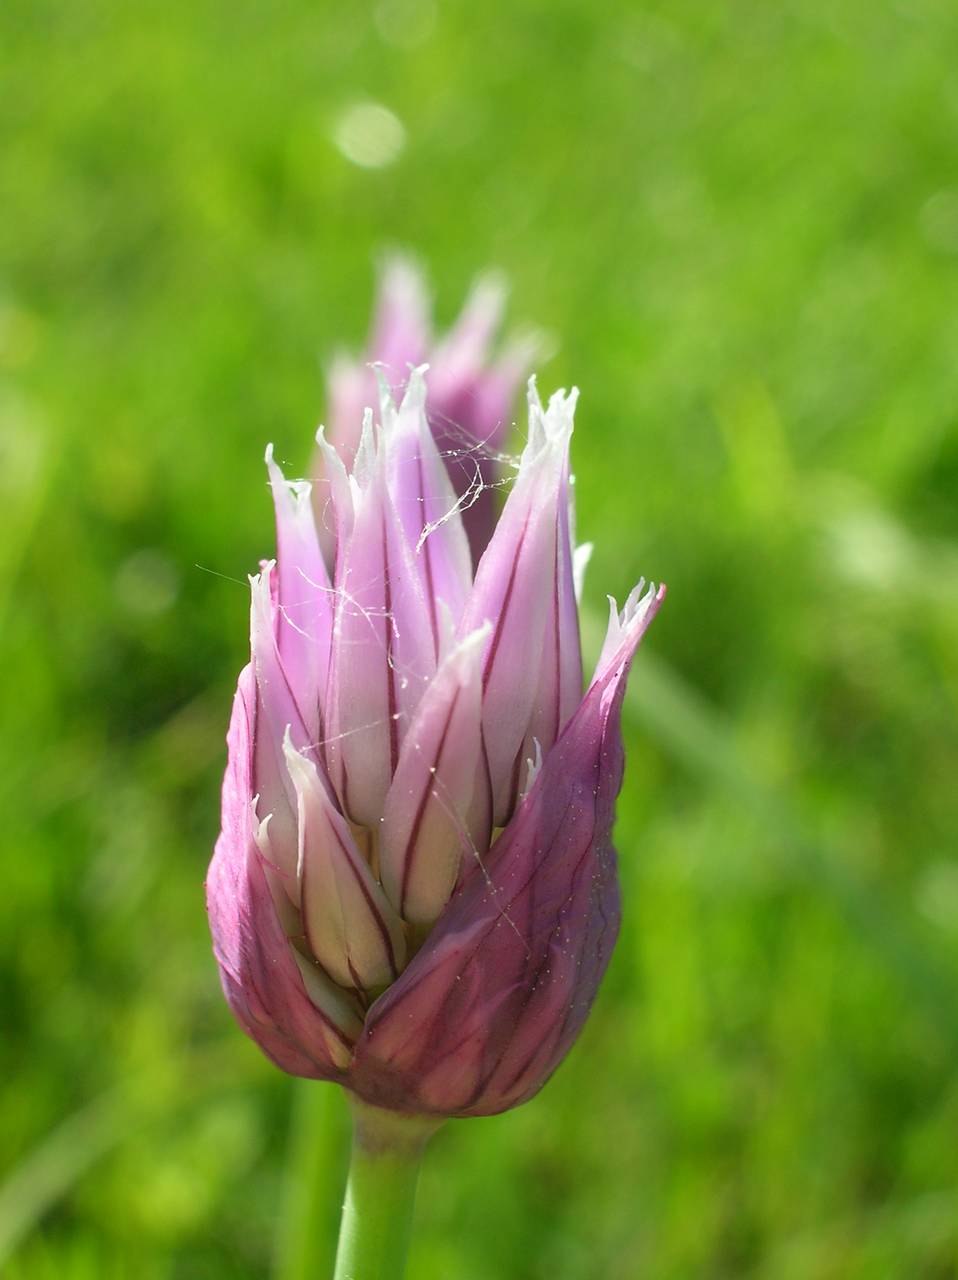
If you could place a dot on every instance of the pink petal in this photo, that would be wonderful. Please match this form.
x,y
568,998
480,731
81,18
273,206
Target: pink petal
x,y
516,590
276,710
260,977
382,652
463,353
427,506
559,687
401,328
427,809
351,928
304,595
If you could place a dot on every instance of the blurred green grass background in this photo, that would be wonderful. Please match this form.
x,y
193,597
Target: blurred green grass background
x,y
741,223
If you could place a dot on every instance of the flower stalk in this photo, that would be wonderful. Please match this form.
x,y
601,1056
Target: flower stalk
x,y
381,1192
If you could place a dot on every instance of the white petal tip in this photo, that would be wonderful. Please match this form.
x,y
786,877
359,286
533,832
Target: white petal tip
x,y
474,641
301,771
259,582
533,767
628,625
400,272
415,395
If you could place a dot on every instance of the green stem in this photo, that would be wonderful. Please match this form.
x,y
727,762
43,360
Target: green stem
x,y
377,1214
316,1167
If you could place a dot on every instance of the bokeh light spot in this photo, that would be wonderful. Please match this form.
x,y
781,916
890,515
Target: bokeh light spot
x,y
369,134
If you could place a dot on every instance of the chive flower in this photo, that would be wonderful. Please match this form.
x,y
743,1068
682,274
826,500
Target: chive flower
x,y
414,892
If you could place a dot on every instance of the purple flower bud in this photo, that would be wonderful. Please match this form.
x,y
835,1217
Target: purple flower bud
x,y
414,892
470,395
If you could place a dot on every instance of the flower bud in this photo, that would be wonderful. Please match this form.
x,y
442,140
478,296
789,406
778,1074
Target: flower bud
x,y
414,891
471,393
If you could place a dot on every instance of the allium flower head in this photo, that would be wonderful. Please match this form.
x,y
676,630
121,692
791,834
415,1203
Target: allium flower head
x,y
471,390
414,892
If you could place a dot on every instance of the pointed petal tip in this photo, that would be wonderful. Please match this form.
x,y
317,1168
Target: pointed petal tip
x,y
550,428
290,492
414,398
482,309
366,451
400,270
259,582
573,398
301,769
642,603
476,638
533,769
560,415
381,373
469,648
332,458
629,624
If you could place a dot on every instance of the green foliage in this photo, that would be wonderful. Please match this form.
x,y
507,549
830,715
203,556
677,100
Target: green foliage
x,y
741,223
